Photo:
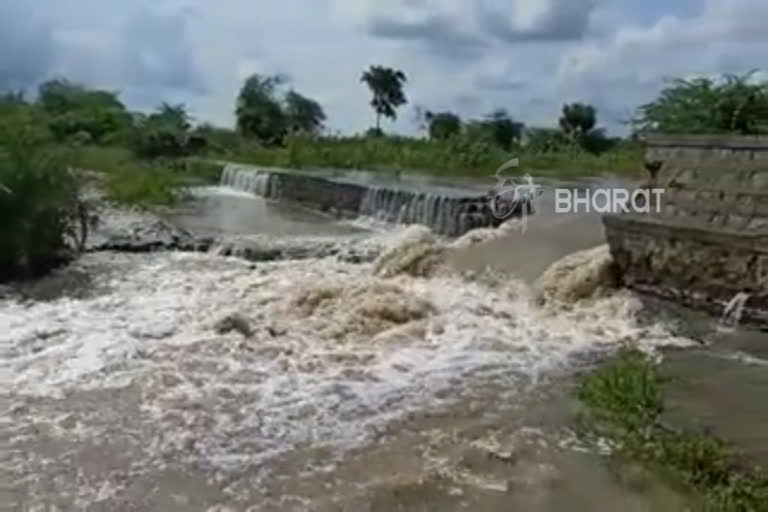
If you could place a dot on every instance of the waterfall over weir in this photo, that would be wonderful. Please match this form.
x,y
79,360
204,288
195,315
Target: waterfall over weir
x,y
443,214
261,183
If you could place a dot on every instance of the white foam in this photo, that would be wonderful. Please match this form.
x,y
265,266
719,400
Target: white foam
x,y
219,190
299,378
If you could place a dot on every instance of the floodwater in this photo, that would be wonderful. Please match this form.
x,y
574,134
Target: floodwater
x,y
353,393
216,210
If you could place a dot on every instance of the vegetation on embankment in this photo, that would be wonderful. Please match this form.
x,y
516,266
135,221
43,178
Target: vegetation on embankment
x,y
146,157
40,208
624,402
456,156
132,181
44,216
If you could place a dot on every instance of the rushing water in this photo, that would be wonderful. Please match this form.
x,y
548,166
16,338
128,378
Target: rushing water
x,y
354,392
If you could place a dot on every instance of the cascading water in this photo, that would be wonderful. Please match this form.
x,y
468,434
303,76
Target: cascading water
x,y
449,215
733,311
445,215
258,182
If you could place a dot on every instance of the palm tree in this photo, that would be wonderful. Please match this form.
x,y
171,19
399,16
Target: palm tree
x,y
386,85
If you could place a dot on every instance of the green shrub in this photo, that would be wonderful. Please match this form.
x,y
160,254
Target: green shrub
x,y
142,185
39,204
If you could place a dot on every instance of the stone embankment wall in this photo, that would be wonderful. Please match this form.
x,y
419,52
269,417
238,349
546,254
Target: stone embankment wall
x,y
709,240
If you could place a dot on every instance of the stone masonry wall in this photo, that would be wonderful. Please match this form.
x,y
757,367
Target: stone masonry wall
x,y
709,241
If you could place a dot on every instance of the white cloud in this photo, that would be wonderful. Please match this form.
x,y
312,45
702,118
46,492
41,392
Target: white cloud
x,y
528,56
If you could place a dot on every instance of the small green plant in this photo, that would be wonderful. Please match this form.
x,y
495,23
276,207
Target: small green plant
x,y
624,400
625,392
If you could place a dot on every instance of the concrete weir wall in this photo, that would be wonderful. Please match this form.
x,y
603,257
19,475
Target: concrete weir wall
x,y
708,241
445,214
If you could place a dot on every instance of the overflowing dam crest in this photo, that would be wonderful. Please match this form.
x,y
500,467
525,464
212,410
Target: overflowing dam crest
x,y
444,214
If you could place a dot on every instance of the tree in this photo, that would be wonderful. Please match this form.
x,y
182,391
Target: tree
x,y
173,115
577,119
88,114
547,140
258,111
303,114
731,104
60,95
166,133
498,128
442,125
386,85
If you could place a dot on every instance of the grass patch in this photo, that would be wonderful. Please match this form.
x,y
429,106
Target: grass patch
x,y
459,157
623,400
129,180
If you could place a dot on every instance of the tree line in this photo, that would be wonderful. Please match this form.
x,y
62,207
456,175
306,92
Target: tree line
x,y
267,111
42,137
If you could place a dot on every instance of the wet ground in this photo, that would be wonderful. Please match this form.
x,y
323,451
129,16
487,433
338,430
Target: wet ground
x,y
353,393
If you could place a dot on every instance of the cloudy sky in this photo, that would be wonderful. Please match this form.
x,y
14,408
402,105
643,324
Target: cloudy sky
x,y
469,56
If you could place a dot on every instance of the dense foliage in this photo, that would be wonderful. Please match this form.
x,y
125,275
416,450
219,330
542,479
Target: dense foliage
x,y
731,104
83,115
268,116
39,203
386,85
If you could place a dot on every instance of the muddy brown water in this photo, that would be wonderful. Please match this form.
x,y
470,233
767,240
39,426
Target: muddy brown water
x,y
125,398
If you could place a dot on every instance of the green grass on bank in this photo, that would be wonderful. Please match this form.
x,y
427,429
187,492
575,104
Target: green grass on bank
x,y
624,401
129,180
158,182
459,157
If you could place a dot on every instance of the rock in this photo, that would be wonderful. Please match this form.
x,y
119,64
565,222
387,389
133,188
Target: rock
x,y
578,276
234,322
133,230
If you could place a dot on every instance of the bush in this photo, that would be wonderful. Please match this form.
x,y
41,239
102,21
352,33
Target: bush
x,y
39,203
132,181
155,139
142,185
